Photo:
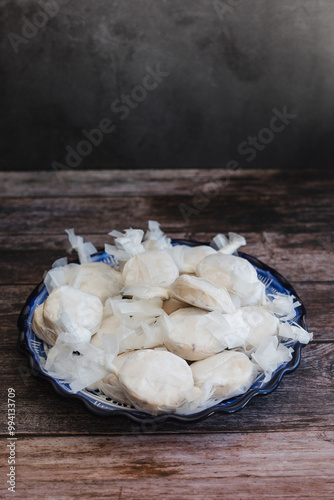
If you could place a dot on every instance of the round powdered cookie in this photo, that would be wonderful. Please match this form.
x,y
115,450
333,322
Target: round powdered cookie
x,y
41,331
156,381
200,292
67,304
108,326
171,305
230,373
236,274
189,338
96,278
155,267
188,258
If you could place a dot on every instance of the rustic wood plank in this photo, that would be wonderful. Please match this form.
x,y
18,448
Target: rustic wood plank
x,y
12,301
286,464
239,213
303,400
287,219
247,487
153,182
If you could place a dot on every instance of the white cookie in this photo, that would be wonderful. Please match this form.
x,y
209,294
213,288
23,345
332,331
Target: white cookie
x,y
156,381
189,338
171,305
188,258
39,328
96,278
155,267
200,292
236,274
230,374
66,302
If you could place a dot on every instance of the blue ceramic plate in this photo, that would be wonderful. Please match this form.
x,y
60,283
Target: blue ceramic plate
x,y
98,403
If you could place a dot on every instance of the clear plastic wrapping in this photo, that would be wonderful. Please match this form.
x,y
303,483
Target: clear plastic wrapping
x,y
202,293
67,304
229,373
270,354
188,258
84,250
237,275
154,267
228,245
129,333
188,335
156,381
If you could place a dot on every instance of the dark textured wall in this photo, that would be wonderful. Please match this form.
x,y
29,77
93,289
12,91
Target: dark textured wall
x,y
230,65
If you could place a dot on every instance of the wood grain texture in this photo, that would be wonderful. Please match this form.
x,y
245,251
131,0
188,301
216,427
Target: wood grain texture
x,y
154,182
279,445
235,465
239,212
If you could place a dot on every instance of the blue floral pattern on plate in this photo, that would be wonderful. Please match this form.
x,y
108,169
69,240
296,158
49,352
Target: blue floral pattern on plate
x,y
36,352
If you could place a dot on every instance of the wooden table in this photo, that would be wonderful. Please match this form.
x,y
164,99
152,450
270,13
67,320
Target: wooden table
x,y
278,446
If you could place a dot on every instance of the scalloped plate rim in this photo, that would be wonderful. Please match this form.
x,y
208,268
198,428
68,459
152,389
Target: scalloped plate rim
x,y
140,416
